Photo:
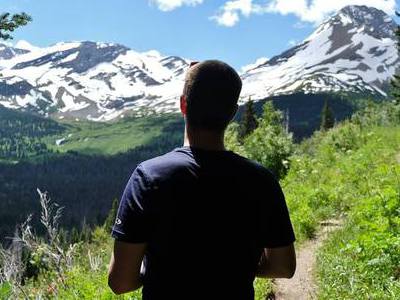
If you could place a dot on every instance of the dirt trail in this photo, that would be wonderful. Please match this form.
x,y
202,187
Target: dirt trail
x,y
302,285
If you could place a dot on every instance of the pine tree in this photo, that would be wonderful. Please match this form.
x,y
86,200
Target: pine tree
x,y
86,231
395,89
272,117
327,117
9,23
249,121
109,222
74,236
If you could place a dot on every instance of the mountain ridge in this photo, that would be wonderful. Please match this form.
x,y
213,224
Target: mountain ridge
x,y
354,52
87,79
358,55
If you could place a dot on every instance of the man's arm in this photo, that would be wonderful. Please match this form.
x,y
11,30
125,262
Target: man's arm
x,y
124,271
277,263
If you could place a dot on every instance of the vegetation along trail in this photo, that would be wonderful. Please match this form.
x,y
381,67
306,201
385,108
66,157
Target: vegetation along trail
x,y
303,285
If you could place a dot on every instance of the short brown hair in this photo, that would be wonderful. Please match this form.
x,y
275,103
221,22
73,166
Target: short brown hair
x,y
212,90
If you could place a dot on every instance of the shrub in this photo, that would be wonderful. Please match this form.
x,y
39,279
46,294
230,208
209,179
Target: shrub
x,y
269,144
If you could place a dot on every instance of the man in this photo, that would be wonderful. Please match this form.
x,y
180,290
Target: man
x,y
204,221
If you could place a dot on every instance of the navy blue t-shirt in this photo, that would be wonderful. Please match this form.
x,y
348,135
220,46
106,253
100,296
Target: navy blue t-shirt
x,y
205,217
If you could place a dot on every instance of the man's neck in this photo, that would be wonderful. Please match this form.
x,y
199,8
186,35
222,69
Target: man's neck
x,y
204,139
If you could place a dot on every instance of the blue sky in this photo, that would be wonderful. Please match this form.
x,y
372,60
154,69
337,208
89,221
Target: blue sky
x,y
236,31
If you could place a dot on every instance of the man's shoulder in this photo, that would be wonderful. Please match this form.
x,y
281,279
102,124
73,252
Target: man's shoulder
x,y
253,167
182,158
164,164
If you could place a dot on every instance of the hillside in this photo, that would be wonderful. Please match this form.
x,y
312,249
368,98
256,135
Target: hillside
x,y
26,136
112,138
21,134
83,164
303,111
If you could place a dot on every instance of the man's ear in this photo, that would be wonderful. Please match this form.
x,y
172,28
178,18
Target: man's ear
x,y
183,105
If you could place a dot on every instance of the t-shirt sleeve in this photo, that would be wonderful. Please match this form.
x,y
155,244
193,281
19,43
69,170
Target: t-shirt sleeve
x,y
131,224
274,223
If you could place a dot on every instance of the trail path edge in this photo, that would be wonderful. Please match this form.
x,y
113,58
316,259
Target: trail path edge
x,y
303,286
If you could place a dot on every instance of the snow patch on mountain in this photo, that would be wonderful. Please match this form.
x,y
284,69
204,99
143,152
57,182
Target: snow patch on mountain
x,y
24,45
260,61
353,51
98,81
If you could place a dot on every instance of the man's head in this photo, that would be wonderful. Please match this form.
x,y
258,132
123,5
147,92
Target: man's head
x,y
210,95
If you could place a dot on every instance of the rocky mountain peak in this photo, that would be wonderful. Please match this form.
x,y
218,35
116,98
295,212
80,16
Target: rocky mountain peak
x,y
353,51
8,52
370,20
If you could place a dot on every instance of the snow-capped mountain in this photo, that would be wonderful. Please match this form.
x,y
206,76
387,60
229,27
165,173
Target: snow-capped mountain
x,y
7,52
98,81
353,51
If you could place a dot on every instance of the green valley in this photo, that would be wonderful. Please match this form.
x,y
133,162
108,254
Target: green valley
x,y
24,135
109,138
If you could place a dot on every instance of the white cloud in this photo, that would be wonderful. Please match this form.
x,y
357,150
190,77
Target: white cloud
x,y
168,5
316,11
300,25
227,18
292,43
260,61
229,13
22,44
311,11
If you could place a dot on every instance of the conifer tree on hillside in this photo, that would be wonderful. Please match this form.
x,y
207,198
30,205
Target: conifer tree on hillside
x,y
395,89
249,120
327,117
272,117
109,222
8,24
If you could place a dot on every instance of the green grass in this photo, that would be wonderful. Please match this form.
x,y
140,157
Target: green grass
x,y
262,288
83,281
351,173
5,291
362,261
110,138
